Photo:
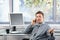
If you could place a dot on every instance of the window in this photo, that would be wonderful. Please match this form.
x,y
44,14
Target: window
x,y
58,11
50,8
30,7
4,11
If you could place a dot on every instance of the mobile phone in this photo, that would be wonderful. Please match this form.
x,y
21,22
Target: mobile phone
x,y
34,20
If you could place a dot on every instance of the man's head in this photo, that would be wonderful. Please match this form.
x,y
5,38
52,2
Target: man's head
x,y
39,17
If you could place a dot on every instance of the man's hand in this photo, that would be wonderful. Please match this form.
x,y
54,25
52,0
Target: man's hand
x,y
33,22
51,30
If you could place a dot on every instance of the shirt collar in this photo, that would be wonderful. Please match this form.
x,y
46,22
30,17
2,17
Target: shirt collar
x,y
37,24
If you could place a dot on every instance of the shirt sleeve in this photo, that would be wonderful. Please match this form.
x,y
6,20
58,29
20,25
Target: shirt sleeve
x,y
28,29
48,28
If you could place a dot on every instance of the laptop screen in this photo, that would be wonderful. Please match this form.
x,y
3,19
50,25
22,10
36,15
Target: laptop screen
x,y
16,19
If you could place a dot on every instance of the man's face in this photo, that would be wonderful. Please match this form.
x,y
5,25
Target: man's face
x,y
39,18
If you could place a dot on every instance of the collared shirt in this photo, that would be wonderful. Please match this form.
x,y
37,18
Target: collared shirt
x,y
39,31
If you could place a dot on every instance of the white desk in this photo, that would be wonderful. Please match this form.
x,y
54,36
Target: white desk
x,y
4,36
14,36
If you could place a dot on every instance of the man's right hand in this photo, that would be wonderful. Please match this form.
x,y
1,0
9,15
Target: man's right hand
x,y
33,22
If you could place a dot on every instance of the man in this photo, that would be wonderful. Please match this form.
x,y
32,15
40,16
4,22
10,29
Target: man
x,y
38,29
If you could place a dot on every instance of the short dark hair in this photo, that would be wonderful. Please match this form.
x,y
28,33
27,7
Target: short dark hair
x,y
40,12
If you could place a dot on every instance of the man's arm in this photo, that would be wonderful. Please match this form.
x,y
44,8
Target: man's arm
x,y
28,29
50,30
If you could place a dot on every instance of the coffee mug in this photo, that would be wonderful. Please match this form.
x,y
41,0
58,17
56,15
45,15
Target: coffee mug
x,y
7,31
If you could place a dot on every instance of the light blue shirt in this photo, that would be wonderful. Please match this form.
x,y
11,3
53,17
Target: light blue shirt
x,y
38,31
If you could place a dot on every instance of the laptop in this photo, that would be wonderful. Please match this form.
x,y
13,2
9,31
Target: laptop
x,y
16,19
